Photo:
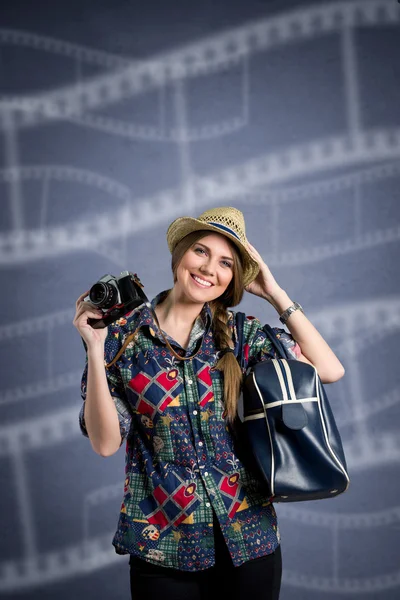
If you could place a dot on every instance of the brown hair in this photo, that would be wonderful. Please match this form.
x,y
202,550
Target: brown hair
x,y
232,296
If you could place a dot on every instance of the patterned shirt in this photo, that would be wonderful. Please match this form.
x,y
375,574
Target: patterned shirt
x,y
180,461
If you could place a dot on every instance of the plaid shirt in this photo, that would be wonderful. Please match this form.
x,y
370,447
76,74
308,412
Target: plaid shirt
x,y
180,462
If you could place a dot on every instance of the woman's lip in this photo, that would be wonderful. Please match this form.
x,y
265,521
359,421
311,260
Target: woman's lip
x,y
203,286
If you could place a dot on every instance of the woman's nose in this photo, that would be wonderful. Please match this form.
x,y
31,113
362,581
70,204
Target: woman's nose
x,y
207,269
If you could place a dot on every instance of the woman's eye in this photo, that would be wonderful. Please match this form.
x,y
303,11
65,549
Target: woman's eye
x,y
223,262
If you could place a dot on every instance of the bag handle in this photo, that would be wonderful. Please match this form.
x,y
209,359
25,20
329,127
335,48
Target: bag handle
x,y
240,316
280,348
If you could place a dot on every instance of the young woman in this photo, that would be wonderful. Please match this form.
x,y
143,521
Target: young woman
x,y
194,516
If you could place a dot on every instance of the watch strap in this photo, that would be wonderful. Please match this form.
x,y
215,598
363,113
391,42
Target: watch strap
x,y
286,313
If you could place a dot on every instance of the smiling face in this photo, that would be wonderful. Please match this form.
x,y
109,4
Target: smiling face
x,y
206,269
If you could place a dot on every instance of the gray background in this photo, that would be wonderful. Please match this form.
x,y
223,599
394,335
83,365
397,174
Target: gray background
x,y
115,118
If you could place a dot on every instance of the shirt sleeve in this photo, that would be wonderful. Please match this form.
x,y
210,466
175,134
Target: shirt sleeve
x,y
257,347
113,343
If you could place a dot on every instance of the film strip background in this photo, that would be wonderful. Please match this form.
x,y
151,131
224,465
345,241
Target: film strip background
x,y
343,171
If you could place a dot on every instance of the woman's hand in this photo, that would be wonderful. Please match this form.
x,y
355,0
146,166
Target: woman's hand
x,y
264,284
93,337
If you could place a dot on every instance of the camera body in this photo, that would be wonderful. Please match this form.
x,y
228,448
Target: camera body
x,y
115,297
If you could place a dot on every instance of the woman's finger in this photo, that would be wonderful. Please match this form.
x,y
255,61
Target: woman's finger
x,y
84,309
82,306
89,314
81,297
93,314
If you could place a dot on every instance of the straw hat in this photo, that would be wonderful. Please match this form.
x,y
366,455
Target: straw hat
x,y
226,220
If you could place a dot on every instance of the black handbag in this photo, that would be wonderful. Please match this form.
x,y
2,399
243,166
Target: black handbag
x,y
289,427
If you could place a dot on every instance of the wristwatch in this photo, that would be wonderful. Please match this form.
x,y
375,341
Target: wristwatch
x,y
286,313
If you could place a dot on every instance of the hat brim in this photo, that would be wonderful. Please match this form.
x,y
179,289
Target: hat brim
x,y
185,225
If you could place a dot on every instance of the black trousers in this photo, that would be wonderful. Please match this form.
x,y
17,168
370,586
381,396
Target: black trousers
x,y
258,578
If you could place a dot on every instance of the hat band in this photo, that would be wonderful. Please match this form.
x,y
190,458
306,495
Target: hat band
x,y
224,228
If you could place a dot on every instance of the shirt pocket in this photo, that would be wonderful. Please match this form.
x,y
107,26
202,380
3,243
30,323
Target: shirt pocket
x,y
153,390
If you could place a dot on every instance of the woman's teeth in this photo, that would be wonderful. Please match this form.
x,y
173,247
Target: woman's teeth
x,y
201,281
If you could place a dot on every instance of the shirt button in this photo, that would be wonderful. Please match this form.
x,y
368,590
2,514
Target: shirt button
x,y
208,504
206,473
200,443
190,381
195,412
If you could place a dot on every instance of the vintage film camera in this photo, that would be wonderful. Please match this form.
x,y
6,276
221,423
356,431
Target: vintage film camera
x,y
115,297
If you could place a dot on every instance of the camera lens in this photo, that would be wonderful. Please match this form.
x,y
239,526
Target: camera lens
x,y
103,295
